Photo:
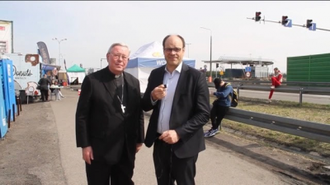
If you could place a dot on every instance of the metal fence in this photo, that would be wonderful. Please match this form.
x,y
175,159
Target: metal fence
x,y
307,129
321,88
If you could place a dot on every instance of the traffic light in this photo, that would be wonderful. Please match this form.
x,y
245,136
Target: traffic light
x,y
309,23
284,20
216,65
257,17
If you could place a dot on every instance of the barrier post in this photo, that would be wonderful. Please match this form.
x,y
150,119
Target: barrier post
x,y
14,116
210,79
300,95
9,118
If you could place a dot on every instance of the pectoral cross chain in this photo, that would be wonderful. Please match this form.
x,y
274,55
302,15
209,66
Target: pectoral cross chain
x,y
122,106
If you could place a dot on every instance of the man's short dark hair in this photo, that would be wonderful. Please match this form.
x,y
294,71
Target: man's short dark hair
x,y
182,39
217,82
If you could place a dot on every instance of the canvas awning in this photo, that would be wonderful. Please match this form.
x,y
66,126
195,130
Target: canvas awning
x,y
243,61
75,68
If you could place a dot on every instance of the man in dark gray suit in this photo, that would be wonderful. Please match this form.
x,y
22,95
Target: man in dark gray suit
x,y
109,121
44,84
179,97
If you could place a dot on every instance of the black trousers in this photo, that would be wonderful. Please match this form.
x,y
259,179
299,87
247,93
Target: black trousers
x,y
217,114
101,173
44,95
170,169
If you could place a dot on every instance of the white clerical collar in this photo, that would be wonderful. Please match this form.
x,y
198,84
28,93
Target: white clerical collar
x,y
117,76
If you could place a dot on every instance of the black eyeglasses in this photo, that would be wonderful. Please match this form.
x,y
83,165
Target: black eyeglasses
x,y
117,56
172,49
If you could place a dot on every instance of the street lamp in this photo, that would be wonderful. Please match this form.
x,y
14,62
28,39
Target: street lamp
x,y
210,80
188,48
59,49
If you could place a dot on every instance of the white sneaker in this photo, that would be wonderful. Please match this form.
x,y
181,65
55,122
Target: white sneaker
x,y
272,87
269,101
211,133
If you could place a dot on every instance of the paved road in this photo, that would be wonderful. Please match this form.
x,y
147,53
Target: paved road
x,y
227,160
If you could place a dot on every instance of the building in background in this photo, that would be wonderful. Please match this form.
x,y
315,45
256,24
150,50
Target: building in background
x,y
6,37
241,68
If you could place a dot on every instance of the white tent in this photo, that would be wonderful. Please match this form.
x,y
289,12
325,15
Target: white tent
x,y
147,58
76,73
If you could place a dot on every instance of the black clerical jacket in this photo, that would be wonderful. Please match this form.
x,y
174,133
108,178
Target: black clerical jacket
x,y
100,122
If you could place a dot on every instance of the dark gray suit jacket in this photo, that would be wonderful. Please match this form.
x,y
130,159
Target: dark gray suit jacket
x,y
100,122
190,111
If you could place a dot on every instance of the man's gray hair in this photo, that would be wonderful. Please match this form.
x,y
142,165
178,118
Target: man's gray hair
x,y
118,44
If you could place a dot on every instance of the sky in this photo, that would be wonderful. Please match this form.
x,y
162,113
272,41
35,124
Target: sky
x,y
91,27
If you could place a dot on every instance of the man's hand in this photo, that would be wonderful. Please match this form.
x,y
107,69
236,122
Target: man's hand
x,y
159,92
138,147
170,137
87,154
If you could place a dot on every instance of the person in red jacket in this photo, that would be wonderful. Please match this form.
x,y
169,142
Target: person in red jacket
x,y
276,81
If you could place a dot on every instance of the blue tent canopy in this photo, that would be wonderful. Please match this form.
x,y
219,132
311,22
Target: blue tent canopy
x,y
49,67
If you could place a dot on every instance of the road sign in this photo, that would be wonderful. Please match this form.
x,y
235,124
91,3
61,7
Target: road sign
x,y
248,74
247,69
313,27
289,23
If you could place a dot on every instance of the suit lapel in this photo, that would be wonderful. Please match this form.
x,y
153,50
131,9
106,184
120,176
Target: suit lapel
x,y
179,91
159,79
182,84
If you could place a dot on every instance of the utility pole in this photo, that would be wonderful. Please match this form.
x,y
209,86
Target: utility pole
x,y
210,79
59,48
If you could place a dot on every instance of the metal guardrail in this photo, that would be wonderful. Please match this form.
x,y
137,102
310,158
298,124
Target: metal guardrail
x,y
297,89
307,129
321,88
291,83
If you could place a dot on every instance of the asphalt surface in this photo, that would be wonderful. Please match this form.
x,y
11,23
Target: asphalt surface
x,y
40,149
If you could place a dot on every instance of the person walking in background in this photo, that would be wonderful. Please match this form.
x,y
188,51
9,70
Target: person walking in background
x,y
276,81
44,84
179,97
220,105
110,121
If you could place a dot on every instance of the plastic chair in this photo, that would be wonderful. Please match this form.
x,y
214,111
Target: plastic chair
x,y
30,92
51,94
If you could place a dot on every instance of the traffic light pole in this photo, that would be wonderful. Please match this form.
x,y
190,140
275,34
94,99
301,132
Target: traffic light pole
x,y
304,26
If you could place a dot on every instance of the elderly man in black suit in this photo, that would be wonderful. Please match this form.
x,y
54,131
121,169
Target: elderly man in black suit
x,y
109,121
179,97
